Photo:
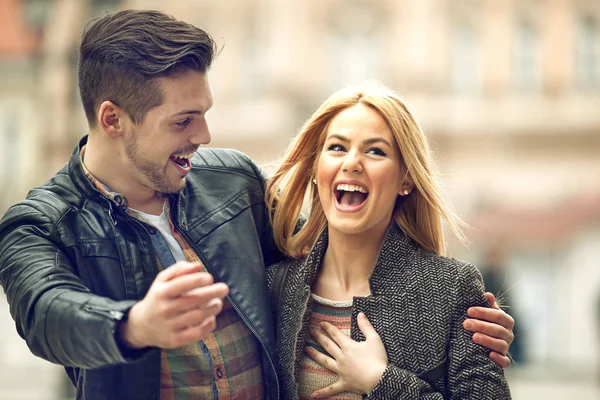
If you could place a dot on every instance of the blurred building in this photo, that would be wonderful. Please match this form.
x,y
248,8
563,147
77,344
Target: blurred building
x,y
508,91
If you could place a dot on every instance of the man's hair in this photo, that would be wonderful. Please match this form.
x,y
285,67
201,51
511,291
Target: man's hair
x,y
122,52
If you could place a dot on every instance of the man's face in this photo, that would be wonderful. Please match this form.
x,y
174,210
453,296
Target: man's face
x,y
158,150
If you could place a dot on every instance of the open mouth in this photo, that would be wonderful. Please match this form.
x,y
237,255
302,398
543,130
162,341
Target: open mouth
x,y
350,196
182,162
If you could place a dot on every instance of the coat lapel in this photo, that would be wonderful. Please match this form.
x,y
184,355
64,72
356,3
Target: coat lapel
x,y
295,314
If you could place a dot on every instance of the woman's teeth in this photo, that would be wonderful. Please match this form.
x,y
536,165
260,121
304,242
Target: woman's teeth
x,y
350,188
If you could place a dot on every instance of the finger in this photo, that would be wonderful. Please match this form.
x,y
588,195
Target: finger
x,y
335,334
499,359
325,341
492,300
492,315
196,299
328,391
497,345
182,284
178,269
365,326
489,329
194,333
322,359
197,316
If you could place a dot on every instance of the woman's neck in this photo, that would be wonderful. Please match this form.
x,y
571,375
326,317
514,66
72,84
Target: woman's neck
x,y
347,265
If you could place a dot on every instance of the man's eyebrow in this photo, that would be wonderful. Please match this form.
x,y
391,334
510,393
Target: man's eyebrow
x,y
186,112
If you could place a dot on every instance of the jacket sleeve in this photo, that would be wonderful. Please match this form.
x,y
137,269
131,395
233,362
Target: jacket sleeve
x,y
472,375
399,384
271,252
56,314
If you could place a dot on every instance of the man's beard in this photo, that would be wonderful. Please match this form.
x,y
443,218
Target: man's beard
x,y
154,172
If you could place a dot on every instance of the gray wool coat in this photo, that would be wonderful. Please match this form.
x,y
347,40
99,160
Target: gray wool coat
x,y
417,305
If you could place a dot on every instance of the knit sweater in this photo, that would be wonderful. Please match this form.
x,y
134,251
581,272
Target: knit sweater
x,y
312,375
417,305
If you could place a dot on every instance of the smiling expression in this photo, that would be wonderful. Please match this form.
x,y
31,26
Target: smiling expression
x,y
359,172
158,149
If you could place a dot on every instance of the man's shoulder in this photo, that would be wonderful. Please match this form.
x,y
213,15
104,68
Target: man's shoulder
x,y
49,201
223,159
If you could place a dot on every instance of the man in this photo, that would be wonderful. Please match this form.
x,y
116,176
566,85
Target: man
x,y
110,267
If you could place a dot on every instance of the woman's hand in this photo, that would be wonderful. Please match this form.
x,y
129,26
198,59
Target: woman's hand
x,y
492,328
359,365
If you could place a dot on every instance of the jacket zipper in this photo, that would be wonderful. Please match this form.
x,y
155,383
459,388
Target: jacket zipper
x,y
154,256
237,308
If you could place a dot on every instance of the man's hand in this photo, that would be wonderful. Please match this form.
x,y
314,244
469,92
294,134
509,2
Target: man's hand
x,y
179,308
493,329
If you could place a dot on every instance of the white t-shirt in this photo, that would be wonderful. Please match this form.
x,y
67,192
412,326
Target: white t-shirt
x,y
163,224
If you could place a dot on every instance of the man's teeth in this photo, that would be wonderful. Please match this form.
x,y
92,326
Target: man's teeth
x,y
351,188
186,156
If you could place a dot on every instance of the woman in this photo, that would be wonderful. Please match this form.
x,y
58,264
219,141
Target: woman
x,y
372,247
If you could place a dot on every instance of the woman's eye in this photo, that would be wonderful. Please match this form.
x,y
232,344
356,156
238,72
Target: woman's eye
x,y
184,123
377,152
335,147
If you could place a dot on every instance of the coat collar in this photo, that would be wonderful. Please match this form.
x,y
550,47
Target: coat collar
x,y
396,252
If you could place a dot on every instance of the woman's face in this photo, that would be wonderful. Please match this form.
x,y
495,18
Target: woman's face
x,y
359,172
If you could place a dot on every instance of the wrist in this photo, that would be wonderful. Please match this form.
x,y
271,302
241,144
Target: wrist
x,y
127,335
376,378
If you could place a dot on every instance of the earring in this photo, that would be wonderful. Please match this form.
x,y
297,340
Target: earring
x,y
406,192
315,181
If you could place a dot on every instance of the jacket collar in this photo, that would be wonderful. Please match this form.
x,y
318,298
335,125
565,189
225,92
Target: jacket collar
x,y
86,187
396,252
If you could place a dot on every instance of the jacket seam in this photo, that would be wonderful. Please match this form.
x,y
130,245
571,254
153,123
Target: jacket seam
x,y
228,169
219,209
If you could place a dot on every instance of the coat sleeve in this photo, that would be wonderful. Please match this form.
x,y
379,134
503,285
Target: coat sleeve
x,y
471,372
399,384
472,375
57,315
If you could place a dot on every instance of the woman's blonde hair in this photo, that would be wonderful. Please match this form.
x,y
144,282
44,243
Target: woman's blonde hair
x,y
419,214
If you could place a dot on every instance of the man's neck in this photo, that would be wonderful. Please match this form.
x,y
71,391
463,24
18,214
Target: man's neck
x,y
113,175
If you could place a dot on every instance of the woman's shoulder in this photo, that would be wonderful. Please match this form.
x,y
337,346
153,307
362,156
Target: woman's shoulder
x,y
278,268
427,268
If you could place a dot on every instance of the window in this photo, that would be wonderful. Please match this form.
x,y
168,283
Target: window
x,y
252,76
354,47
587,49
466,59
526,58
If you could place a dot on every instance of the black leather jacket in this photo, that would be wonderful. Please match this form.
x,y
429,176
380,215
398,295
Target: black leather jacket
x,y
72,263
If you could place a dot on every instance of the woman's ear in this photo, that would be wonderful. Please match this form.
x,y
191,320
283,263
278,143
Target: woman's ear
x,y
406,187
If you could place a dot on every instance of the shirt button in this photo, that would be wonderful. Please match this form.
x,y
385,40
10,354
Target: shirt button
x,y
219,373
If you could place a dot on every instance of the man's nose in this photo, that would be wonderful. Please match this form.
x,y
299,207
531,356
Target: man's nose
x,y
201,135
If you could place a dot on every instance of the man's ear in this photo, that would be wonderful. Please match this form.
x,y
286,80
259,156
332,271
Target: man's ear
x,y
112,120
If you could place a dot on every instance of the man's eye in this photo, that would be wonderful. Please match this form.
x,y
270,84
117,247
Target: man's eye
x,y
184,123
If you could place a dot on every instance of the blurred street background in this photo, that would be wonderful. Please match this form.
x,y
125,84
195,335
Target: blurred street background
x,y
508,91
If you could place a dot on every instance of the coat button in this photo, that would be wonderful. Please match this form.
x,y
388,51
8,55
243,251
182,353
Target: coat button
x,y
219,373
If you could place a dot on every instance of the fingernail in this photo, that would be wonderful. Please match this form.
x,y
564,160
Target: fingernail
x,y
468,324
361,315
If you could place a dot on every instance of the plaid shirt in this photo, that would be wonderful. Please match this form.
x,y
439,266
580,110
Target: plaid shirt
x,y
226,365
